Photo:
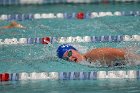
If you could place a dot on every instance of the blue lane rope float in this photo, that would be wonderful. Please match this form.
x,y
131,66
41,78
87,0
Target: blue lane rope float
x,y
130,74
23,2
47,40
79,15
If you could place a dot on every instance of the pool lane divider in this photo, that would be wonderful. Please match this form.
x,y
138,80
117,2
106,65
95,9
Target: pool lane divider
x,y
39,2
51,40
74,15
93,75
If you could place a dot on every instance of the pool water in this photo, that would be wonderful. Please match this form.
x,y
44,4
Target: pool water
x,y
39,58
72,86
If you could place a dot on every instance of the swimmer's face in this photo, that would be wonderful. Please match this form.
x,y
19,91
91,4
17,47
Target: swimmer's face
x,y
72,55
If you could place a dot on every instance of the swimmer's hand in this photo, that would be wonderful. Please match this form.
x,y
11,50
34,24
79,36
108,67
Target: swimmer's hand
x,y
20,26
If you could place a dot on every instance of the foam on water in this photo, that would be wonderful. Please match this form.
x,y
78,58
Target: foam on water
x,y
91,64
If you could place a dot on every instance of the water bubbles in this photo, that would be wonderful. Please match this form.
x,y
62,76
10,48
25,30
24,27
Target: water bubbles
x,y
138,51
91,64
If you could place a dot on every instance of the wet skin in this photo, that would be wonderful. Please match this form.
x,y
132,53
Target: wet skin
x,y
103,55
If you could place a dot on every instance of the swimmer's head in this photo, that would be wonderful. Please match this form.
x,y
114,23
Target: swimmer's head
x,y
63,48
69,53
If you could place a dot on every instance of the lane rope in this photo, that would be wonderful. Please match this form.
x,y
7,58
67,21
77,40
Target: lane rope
x,y
27,2
79,15
48,40
130,74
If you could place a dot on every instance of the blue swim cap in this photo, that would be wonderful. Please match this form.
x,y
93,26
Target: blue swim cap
x,y
62,49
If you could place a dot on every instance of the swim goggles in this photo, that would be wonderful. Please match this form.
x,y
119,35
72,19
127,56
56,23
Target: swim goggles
x,y
69,54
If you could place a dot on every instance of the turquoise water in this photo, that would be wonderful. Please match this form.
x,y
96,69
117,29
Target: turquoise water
x,y
29,58
73,86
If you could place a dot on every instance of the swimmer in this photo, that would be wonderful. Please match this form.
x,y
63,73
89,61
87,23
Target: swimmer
x,y
13,24
106,56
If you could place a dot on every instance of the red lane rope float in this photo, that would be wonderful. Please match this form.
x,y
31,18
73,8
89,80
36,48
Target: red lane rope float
x,y
4,77
46,40
80,15
105,1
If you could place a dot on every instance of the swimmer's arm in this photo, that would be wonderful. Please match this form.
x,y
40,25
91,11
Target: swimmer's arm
x,y
8,27
5,27
105,55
